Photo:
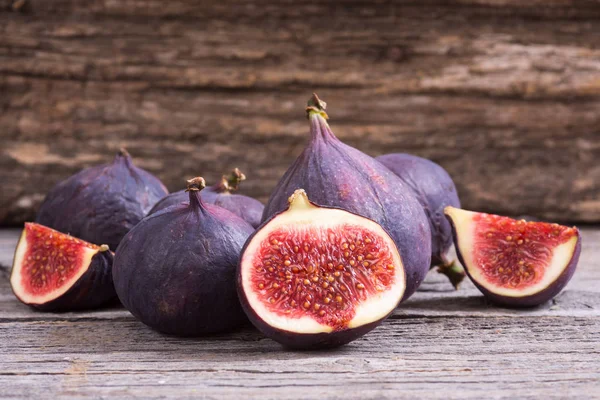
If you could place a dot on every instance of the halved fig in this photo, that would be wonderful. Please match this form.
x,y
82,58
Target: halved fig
x,y
514,263
53,271
313,277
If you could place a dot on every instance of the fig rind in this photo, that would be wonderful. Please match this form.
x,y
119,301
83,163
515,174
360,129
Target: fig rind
x,y
93,289
532,300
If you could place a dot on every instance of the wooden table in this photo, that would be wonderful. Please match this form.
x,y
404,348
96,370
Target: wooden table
x,y
440,344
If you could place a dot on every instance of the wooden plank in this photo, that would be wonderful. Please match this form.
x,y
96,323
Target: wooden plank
x,y
503,94
405,358
441,344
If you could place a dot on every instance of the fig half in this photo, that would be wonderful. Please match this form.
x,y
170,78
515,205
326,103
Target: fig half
x,y
53,271
337,175
314,277
221,194
101,204
515,263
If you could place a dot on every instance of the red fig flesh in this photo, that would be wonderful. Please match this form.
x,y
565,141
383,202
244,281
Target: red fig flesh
x,y
56,272
515,263
319,277
334,174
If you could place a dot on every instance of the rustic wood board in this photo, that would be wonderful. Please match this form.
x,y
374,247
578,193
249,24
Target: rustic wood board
x,y
441,344
504,94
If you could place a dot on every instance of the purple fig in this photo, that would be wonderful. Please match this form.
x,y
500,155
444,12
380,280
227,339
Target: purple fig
x,y
102,203
435,190
222,195
337,175
176,270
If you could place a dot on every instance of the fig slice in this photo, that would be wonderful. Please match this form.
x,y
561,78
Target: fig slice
x,y
53,271
314,276
513,262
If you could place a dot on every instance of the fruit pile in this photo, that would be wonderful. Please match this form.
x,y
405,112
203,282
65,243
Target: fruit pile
x,y
343,240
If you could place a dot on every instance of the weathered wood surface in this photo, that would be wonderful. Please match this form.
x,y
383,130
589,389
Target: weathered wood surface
x,y
503,93
442,344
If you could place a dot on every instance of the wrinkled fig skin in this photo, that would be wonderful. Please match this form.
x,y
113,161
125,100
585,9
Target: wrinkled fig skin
x,y
528,301
176,270
434,189
101,204
247,208
92,290
335,174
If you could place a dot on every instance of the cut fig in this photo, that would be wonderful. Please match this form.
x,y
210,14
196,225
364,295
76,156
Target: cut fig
x,y
53,271
314,277
515,263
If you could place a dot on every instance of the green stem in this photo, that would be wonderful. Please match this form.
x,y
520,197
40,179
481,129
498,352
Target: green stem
x,y
454,271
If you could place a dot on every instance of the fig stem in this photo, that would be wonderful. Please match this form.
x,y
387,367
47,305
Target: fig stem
x,y
123,152
453,271
230,183
195,184
299,200
103,247
316,106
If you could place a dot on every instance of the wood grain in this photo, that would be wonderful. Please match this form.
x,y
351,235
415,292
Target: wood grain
x,y
441,344
504,94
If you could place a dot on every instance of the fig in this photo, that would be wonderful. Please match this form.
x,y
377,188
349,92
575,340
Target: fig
x,y
53,271
316,277
335,174
514,263
176,270
221,194
435,190
101,204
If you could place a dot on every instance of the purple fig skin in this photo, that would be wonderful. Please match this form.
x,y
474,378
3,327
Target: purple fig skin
x,y
434,189
533,300
92,290
176,270
245,207
294,340
102,203
335,174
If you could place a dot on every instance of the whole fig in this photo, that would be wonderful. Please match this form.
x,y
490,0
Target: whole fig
x,y
101,204
176,270
222,195
435,190
337,175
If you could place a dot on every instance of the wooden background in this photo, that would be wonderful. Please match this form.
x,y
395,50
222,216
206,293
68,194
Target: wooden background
x,y
505,94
